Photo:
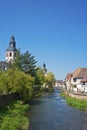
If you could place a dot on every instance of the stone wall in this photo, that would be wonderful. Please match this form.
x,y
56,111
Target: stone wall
x,y
77,95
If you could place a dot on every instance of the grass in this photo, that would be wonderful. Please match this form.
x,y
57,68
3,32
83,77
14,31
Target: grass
x,y
77,103
12,116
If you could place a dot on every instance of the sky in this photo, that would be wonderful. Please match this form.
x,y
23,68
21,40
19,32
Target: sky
x,y
54,31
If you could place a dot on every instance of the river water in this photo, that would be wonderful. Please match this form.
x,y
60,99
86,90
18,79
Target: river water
x,y
50,112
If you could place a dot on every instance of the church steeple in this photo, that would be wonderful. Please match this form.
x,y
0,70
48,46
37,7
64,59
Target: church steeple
x,y
44,69
11,51
12,43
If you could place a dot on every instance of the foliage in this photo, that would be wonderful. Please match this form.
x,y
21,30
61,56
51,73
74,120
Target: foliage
x,y
50,79
77,103
16,81
39,81
40,78
28,63
62,94
13,116
17,60
25,62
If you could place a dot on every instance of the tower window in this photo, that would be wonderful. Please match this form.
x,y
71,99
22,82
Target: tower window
x,y
10,54
11,45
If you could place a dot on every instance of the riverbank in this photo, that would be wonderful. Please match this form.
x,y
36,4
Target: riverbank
x,y
12,116
77,103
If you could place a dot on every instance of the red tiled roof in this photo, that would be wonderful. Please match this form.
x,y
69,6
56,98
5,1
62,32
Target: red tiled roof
x,y
84,79
68,76
80,73
76,72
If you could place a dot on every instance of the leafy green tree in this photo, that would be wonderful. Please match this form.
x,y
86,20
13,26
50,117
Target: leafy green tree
x,y
39,81
40,78
4,83
50,79
23,85
16,81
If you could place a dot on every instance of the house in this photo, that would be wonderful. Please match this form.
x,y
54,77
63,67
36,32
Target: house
x,y
84,83
68,81
59,83
76,81
78,75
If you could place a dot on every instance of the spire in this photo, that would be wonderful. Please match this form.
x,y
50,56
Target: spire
x,y
12,42
12,39
44,68
44,65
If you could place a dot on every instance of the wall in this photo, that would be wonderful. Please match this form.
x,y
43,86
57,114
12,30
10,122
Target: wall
x,y
78,96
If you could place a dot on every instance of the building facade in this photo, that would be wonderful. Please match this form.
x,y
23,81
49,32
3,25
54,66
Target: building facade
x,y
77,82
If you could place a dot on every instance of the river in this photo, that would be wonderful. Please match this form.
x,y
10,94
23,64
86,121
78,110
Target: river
x,y
50,112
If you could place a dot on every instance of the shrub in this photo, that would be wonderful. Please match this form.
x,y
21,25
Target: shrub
x,y
16,81
13,116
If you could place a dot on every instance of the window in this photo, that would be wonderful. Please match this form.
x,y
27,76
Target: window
x,y
75,80
11,45
83,83
10,54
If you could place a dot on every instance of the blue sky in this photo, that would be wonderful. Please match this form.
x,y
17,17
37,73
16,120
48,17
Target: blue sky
x,y
54,31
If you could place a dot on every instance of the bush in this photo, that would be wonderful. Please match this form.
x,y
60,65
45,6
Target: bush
x,y
13,116
16,81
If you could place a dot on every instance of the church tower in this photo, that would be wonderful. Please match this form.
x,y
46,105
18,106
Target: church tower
x,y
44,69
11,51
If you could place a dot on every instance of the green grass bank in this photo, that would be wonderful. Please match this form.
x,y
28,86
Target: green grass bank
x,y
77,103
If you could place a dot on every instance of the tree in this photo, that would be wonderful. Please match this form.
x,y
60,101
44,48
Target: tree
x,y
4,84
50,79
29,63
40,78
25,62
17,60
16,81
